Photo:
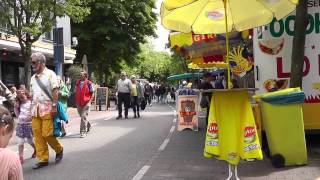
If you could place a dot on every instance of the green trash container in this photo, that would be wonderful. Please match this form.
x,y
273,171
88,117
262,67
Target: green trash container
x,y
283,123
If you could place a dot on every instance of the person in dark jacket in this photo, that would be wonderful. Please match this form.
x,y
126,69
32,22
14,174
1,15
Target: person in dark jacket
x,y
206,97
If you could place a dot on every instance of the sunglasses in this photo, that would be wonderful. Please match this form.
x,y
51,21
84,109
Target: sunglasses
x,y
34,62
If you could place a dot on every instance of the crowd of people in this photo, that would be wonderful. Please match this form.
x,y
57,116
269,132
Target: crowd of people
x,y
139,93
40,113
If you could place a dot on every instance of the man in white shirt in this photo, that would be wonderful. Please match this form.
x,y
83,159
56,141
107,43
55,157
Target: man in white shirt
x,y
123,87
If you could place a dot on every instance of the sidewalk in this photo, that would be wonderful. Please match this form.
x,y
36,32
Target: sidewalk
x,y
74,119
183,160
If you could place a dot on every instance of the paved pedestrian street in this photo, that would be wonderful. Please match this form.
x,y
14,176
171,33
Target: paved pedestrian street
x,y
151,148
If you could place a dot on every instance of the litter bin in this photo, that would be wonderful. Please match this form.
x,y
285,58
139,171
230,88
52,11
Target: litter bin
x,y
283,123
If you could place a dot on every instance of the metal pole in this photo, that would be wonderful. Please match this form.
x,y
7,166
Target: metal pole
x,y
57,45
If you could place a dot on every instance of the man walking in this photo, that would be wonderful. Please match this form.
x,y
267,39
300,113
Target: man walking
x,y
44,91
123,89
84,91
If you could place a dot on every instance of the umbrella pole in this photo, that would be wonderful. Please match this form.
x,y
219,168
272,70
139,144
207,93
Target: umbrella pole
x,y
227,43
232,169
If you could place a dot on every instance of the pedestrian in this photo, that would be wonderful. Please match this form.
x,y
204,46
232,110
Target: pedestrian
x,y
123,87
148,93
63,98
24,127
206,96
173,93
219,83
235,84
9,161
135,96
13,90
156,92
44,91
162,91
84,95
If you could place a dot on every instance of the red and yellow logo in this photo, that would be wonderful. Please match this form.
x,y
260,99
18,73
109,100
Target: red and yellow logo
x,y
213,130
249,134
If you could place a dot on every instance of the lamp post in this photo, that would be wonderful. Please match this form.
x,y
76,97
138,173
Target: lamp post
x,y
58,49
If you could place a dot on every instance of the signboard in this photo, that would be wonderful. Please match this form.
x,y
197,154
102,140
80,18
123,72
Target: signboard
x,y
188,112
101,98
273,49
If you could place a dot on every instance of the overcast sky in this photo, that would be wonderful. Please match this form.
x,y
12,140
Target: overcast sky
x,y
160,42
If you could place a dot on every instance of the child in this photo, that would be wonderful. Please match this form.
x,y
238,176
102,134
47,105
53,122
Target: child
x,y
9,161
24,128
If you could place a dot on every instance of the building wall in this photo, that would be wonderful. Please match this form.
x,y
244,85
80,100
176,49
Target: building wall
x,y
11,64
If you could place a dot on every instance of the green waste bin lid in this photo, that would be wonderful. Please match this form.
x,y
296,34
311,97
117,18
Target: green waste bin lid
x,y
289,98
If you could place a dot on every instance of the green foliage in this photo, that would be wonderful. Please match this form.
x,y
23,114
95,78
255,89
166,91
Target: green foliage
x,y
74,71
111,34
29,19
155,66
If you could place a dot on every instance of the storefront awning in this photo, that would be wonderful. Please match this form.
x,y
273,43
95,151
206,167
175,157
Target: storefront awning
x,y
183,76
11,44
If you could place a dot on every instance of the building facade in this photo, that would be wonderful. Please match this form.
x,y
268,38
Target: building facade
x,y
11,63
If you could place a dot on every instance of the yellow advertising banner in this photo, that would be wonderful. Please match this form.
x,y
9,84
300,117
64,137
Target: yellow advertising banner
x,y
188,112
231,132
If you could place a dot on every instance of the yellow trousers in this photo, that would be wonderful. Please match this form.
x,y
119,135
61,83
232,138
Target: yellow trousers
x,y
43,135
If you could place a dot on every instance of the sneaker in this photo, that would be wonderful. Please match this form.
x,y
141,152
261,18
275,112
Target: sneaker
x,y
89,127
138,114
59,156
119,117
40,165
63,134
82,134
135,116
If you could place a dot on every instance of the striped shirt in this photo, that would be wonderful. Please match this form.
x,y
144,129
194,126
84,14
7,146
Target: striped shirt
x,y
10,165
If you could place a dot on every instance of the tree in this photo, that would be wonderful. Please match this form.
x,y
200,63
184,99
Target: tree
x,y
156,66
112,33
29,19
297,61
149,64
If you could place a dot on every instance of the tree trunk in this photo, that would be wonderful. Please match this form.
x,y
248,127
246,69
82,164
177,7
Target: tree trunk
x,y
26,53
297,59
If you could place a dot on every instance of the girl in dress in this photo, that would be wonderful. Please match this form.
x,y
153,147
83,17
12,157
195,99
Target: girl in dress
x,y
24,129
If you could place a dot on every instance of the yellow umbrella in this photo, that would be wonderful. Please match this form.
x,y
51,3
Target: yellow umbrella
x,y
208,16
222,16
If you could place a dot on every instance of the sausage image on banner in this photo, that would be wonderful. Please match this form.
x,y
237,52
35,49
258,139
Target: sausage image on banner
x,y
271,46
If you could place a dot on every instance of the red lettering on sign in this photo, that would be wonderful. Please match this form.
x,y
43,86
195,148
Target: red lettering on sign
x,y
306,66
281,74
197,38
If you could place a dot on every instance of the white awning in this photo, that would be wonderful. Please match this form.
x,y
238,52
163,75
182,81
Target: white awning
x,y
14,46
